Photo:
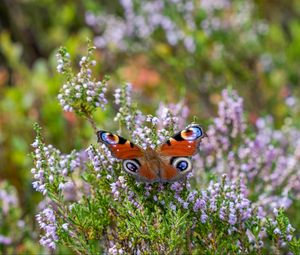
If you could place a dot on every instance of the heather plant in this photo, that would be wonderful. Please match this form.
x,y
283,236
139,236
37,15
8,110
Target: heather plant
x,y
265,160
179,23
16,233
199,33
202,46
92,206
8,206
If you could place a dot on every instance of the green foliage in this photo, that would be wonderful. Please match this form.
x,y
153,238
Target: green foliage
x,y
258,56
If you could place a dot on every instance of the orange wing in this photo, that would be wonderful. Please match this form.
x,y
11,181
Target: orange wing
x,y
147,174
119,146
184,143
168,172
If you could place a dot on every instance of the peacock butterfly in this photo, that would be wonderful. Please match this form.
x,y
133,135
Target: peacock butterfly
x,y
168,163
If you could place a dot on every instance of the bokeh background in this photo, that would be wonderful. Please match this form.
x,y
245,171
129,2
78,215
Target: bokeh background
x,y
169,50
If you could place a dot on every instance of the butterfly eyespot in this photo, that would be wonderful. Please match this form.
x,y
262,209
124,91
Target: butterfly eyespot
x,y
131,166
109,138
192,133
182,164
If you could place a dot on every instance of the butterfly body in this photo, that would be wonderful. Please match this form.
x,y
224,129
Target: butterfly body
x,y
169,163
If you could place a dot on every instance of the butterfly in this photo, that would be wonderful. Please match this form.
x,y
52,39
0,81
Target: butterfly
x,y
168,163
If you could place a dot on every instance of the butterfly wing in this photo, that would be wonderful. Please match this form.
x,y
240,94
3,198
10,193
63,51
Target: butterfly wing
x,y
120,147
175,152
133,156
184,143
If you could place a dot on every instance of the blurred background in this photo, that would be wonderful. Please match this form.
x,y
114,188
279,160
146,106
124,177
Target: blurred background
x,y
169,50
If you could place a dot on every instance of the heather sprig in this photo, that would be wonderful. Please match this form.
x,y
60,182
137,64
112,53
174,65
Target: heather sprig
x,y
8,209
141,126
52,168
128,113
281,232
13,225
70,210
81,92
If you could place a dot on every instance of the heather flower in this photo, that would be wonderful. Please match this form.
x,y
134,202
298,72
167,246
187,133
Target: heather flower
x,y
199,204
47,222
65,226
140,126
210,6
175,114
101,159
81,93
9,213
12,221
232,219
277,231
203,218
173,207
48,162
7,200
5,240
230,114
62,61
128,113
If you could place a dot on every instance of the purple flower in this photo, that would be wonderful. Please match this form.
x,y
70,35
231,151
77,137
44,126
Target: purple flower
x,y
290,229
82,88
203,218
199,204
173,207
65,226
5,240
222,213
177,186
101,158
192,195
232,219
47,222
7,200
277,231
